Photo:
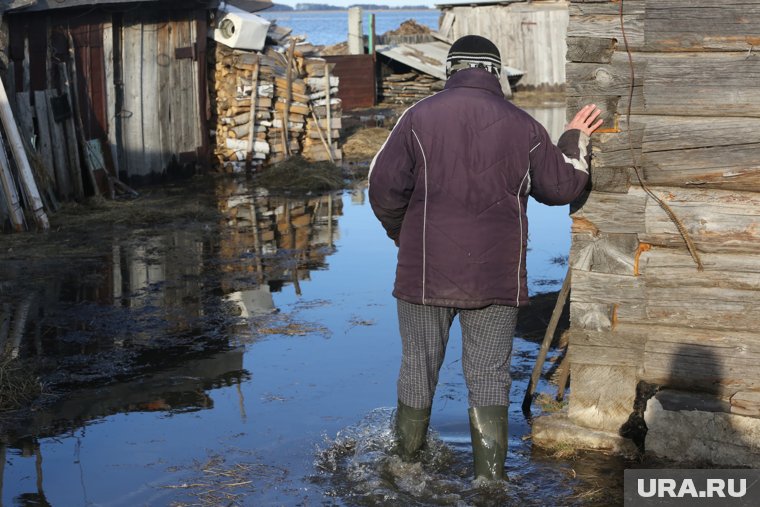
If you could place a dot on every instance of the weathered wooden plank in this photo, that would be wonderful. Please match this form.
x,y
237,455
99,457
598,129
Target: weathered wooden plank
x,y
25,116
609,253
194,106
590,49
670,84
62,177
602,395
668,133
610,212
591,316
602,20
45,144
165,91
726,167
671,267
70,133
527,37
589,287
185,107
611,348
717,220
612,150
702,25
680,151
703,84
110,99
152,149
709,367
131,114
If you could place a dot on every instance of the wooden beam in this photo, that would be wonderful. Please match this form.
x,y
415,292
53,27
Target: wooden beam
x,y
22,162
702,25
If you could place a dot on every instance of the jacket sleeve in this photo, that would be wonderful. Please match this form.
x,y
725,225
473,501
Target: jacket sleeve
x,y
392,177
559,173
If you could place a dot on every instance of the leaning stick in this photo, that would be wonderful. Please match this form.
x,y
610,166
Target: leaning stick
x,y
558,307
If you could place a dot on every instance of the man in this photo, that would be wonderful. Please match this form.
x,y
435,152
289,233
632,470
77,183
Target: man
x,y
450,186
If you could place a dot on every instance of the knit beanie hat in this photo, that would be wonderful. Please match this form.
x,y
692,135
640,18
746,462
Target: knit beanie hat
x,y
473,51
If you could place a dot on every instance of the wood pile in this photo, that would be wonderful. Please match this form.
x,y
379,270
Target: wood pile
x,y
642,310
409,87
286,87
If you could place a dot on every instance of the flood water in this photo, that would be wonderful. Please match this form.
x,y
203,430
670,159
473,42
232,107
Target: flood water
x,y
213,345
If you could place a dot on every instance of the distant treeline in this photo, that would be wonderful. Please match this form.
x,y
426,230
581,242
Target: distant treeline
x,y
327,7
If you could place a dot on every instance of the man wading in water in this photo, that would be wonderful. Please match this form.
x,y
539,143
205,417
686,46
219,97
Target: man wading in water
x,y
450,186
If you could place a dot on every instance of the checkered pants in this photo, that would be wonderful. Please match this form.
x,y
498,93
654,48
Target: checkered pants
x,y
486,352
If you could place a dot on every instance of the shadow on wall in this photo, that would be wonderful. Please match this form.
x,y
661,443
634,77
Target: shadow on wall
x,y
702,414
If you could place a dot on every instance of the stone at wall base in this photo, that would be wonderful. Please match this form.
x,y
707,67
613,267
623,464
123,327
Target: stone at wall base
x,y
711,437
557,429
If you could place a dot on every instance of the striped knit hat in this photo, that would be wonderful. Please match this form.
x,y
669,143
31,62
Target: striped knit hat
x,y
473,51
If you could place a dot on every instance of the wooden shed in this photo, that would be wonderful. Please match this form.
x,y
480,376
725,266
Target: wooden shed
x,y
665,354
139,70
529,34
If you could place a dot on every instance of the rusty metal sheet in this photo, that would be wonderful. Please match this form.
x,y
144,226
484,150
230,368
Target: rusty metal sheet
x,y
357,79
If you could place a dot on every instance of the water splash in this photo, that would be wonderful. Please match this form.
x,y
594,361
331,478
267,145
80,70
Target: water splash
x,y
358,467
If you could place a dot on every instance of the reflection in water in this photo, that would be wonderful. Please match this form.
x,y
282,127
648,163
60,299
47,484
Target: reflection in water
x,y
149,320
151,339
277,239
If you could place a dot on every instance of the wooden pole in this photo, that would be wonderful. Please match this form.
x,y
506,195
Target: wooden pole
x,y
329,112
563,375
355,31
330,219
9,191
72,146
548,336
321,135
62,176
19,154
288,95
73,91
252,117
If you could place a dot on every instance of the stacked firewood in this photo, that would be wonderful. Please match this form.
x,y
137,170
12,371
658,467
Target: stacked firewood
x,y
285,86
409,87
318,135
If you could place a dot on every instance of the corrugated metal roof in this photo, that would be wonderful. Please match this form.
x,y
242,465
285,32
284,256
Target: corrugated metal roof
x,y
430,58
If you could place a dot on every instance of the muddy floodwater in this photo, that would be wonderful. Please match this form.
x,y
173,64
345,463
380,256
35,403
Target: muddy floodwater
x,y
209,344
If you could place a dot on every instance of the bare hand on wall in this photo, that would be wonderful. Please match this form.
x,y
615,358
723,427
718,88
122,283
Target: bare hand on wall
x,y
584,120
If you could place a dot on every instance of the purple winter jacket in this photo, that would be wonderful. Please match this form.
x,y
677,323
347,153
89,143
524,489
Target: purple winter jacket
x,y
451,187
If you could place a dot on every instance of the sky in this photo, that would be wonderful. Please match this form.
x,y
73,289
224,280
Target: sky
x,y
346,3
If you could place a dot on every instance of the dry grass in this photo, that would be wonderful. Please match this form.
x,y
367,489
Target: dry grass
x,y
216,482
548,404
19,385
563,450
365,143
299,175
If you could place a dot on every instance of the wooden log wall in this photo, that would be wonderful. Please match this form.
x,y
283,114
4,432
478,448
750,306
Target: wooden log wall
x,y
530,35
242,80
640,309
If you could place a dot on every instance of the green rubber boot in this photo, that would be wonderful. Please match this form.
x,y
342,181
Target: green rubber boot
x,y
488,430
411,430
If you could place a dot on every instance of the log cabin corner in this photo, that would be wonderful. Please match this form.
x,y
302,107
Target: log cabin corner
x,y
664,356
